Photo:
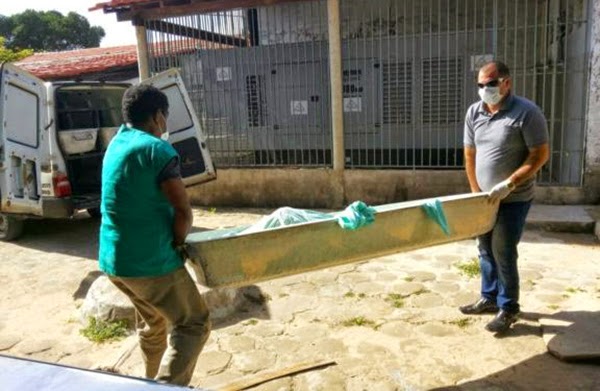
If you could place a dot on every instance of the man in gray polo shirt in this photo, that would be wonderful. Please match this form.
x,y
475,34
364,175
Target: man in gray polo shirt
x,y
506,144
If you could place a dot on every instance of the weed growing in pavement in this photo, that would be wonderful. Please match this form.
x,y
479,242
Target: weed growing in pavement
x,y
553,307
99,331
574,290
351,294
469,268
409,279
358,321
251,322
461,323
395,299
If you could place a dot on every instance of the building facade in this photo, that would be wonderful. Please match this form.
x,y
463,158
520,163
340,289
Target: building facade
x,y
282,133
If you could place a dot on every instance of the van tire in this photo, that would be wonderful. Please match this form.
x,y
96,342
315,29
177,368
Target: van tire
x,y
94,213
10,227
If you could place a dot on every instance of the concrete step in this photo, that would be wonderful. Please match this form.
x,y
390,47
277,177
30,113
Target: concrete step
x,y
564,218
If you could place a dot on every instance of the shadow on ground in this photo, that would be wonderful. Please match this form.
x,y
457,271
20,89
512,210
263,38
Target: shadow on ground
x,y
85,284
75,237
546,371
539,373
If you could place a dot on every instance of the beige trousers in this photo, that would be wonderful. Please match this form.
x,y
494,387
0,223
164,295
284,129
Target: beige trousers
x,y
170,301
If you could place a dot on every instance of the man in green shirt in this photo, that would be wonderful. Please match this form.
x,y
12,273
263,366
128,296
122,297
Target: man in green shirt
x,y
146,216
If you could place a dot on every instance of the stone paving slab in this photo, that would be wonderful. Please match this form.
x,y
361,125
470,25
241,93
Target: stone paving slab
x,y
390,323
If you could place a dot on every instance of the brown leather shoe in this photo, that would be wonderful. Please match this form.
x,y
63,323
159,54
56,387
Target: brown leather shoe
x,y
481,306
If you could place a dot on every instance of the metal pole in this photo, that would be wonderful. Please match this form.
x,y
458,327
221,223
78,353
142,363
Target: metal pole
x,y
335,74
142,51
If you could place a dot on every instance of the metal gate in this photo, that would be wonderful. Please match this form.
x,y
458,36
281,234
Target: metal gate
x,y
260,80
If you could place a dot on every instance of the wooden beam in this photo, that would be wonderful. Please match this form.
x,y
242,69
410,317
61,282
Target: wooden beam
x,y
190,32
196,7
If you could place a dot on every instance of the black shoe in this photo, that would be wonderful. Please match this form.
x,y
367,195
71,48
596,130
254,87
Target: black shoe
x,y
481,306
502,321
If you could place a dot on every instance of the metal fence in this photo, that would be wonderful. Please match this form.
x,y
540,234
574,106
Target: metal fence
x,y
259,78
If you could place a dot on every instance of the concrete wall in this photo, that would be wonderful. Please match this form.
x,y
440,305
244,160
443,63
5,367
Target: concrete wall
x,y
323,188
591,180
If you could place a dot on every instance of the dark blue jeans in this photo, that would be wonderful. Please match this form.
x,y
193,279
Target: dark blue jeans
x,y
498,256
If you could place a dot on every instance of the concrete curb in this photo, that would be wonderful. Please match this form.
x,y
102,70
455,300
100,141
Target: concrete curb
x,y
561,218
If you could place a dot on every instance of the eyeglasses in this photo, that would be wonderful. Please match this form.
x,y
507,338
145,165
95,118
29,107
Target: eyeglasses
x,y
491,83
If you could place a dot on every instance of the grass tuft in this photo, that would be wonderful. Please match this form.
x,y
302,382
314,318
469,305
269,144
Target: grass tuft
x,y
462,322
358,321
469,268
395,299
99,331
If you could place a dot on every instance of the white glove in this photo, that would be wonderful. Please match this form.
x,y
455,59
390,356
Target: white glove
x,y
501,190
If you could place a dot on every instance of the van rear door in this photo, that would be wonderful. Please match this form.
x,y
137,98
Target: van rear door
x,y
23,116
185,133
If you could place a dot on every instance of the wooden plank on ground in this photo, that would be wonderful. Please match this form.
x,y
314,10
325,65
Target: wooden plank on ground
x,y
266,376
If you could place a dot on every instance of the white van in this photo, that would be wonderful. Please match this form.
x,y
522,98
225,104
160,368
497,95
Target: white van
x,y
53,137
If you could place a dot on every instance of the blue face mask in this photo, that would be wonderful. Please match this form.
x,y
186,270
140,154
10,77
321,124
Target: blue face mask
x,y
490,95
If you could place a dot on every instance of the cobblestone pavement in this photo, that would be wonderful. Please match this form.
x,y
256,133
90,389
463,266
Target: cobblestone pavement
x,y
389,323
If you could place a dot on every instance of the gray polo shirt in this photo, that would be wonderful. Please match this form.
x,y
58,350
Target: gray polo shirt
x,y
502,141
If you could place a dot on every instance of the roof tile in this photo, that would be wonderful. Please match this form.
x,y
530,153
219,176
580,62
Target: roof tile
x,y
76,63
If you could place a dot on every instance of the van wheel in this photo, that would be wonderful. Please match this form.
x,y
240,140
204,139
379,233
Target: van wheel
x,y
10,228
94,212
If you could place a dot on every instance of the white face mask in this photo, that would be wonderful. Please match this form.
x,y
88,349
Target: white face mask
x,y
490,95
164,133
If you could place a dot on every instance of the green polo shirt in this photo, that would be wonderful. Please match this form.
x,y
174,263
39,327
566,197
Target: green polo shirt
x,y
136,233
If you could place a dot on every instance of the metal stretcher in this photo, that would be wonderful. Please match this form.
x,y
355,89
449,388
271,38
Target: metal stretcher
x,y
232,258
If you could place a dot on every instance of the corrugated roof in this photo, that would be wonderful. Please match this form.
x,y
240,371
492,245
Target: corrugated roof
x,y
76,63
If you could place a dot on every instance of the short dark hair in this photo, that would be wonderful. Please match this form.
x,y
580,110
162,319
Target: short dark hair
x,y
501,67
141,102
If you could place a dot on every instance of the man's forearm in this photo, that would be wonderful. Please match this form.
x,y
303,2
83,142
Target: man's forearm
x,y
182,225
535,160
470,170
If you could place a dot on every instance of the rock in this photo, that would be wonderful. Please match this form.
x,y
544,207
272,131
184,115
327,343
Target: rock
x,y
106,303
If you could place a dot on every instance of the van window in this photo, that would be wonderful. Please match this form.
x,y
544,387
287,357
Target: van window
x,y
89,106
179,116
21,125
